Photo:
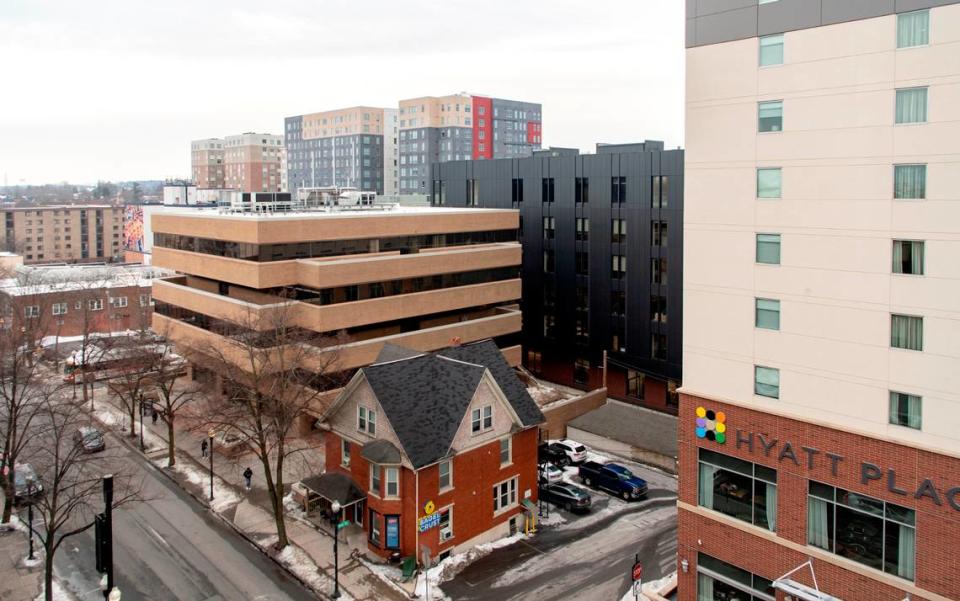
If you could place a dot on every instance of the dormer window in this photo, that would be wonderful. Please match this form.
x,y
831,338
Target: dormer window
x,y
367,420
481,419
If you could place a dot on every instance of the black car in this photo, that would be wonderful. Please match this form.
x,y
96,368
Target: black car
x,y
552,453
568,496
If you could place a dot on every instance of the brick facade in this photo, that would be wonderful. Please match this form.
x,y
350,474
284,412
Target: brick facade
x,y
80,317
772,555
475,472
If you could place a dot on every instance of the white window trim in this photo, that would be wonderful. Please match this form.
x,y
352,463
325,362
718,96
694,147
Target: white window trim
x,y
450,487
378,493
509,462
384,470
369,426
510,504
448,508
345,452
57,306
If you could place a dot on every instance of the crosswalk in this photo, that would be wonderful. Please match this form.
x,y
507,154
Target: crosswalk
x,y
667,555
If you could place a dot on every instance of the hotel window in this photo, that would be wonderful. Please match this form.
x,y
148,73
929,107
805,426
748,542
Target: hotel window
x,y
869,531
549,325
547,189
913,29
517,191
581,190
618,302
906,332
740,489
659,191
548,228
908,257
766,381
618,229
345,453
910,181
770,116
658,308
59,308
768,249
912,105
618,190
618,268
658,233
771,50
481,419
658,271
720,581
504,494
658,346
473,193
548,261
905,409
583,228
582,263
439,191
634,384
367,420
769,182
581,371
506,451
767,314
446,475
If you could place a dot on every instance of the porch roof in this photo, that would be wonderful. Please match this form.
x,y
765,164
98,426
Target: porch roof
x,y
334,486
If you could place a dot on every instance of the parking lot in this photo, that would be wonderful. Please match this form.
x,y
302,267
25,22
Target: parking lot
x,y
582,555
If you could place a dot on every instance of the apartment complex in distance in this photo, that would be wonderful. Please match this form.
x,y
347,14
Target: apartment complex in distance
x,y
69,233
248,162
420,277
602,261
354,147
821,383
436,129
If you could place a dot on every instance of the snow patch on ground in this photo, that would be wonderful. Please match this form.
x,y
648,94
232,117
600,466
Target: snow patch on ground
x,y
292,508
59,593
54,341
303,566
16,523
224,496
554,519
453,565
391,575
654,586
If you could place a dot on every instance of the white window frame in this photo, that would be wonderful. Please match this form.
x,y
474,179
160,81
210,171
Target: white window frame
x,y
119,301
376,484
31,311
95,304
511,493
509,449
366,420
446,533
449,486
344,452
60,308
479,419
145,300
391,476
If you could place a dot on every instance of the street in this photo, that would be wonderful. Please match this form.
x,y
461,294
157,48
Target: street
x,y
172,549
581,557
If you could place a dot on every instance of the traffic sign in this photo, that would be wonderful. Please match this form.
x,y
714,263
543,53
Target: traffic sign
x,y
637,571
343,524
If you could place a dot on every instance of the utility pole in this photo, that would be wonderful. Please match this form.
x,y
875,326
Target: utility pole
x,y
108,528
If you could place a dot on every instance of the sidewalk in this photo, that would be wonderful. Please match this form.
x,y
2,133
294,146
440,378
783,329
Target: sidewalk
x,y
249,511
18,581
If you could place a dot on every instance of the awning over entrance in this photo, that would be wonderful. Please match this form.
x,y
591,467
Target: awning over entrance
x,y
800,591
333,486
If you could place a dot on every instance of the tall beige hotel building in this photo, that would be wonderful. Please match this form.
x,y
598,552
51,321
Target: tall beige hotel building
x,y
820,408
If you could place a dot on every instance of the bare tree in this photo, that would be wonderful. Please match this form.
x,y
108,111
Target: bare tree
x,y
24,313
275,373
172,392
132,383
72,481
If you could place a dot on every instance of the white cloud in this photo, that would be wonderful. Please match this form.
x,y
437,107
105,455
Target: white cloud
x,y
116,89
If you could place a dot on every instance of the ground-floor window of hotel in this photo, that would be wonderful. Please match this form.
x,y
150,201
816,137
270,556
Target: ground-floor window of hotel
x,y
634,384
739,489
875,533
375,534
719,581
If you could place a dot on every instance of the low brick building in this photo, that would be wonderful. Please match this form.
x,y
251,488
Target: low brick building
x,y
442,445
66,300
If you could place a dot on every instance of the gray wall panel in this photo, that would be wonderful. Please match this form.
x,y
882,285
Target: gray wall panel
x,y
903,6
788,15
736,24
838,11
710,7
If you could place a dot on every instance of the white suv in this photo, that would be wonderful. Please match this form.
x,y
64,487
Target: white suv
x,y
576,452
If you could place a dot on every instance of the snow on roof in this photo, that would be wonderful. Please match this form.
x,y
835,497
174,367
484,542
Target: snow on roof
x,y
38,279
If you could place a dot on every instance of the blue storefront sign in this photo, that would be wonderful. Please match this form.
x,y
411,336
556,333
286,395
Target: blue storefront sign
x,y
393,531
428,522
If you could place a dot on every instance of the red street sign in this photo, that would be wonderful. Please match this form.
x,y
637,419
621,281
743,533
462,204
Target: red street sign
x,y
637,571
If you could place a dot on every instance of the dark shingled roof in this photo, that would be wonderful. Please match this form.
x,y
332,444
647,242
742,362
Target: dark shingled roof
x,y
487,354
425,397
392,352
380,451
334,486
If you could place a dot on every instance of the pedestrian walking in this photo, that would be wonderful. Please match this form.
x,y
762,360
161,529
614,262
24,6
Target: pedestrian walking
x,y
247,476
203,448
155,415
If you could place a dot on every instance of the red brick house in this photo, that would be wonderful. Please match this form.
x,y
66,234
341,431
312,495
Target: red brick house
x,y
443,446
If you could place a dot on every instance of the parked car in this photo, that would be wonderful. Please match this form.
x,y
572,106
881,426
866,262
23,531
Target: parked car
x,y
613,478
566,495
551,472
552,453
26,484
576,452
89,438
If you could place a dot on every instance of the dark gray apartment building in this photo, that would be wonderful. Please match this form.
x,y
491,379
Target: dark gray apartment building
x,y
602,242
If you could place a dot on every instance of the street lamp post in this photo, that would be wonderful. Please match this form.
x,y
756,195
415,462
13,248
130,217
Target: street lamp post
x,y
108,593
30,516
210,434
142,412
335,506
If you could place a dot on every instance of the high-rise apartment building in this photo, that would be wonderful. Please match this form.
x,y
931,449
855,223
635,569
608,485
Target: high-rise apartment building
x,y
206,163
248,162
819,448
354,147
69,234
436,129
420,277
602,261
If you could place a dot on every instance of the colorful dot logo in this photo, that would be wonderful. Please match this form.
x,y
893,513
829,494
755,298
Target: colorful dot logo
x,y
711,425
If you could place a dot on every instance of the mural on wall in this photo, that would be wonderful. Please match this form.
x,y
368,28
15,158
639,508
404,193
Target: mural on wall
x,y
133,228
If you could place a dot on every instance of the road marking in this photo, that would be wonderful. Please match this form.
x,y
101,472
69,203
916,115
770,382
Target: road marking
x,y
156,535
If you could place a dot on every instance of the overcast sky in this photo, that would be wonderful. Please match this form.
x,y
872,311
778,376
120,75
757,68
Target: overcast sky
x,y
116,89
